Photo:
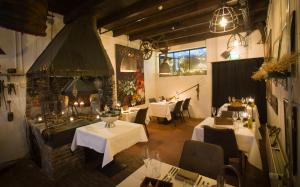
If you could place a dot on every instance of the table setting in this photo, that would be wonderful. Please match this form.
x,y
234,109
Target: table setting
x,y
161,109
169,176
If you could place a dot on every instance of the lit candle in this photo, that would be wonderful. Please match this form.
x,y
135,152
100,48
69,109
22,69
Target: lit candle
x,y
40,119
62,112
75,103
71,119
251,100
245,115
98,117
81,103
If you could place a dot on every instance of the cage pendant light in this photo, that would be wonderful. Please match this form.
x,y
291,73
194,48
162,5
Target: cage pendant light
x,y
224,19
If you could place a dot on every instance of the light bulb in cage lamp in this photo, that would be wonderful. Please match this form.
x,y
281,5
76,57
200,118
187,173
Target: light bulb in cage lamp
x,y
223,22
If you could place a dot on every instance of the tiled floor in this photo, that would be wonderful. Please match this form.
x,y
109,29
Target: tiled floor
x,y
166,139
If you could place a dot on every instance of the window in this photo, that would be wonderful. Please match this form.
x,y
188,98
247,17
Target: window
x,y
185,62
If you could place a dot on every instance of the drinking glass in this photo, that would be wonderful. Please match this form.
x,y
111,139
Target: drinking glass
x,y
156,165
235,116
213,111
243,100
220,181
229,99
233,99
147,161
133,103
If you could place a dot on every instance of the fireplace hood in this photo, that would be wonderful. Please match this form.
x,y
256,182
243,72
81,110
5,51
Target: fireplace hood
x,y
75,51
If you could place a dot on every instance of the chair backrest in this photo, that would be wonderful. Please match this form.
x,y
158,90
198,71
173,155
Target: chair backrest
x,y
236,108
152,100
177,107
226,114
225,138
186,103
203,158
141,116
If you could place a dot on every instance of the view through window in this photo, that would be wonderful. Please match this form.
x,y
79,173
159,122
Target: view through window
x,y
185,62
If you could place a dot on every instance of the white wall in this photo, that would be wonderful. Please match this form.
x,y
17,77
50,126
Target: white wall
x,y
167,86
278,17
21,51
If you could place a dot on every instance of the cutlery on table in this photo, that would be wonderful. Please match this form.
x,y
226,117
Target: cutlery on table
x,y
168,175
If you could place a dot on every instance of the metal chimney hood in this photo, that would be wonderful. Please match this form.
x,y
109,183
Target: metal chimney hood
x,y
76,51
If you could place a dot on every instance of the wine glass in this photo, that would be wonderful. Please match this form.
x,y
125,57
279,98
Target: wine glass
x,y
235,116
147,160
133,103
229,99
233,99
243,100
213,111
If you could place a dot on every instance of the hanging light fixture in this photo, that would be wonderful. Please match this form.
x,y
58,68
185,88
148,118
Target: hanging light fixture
x,y
164,67
129,59
224,19
236,40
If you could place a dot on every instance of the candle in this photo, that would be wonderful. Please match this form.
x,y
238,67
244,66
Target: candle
x,y
245,115
62,112
251,100
98,117
81,103
71,119
40,119
75,103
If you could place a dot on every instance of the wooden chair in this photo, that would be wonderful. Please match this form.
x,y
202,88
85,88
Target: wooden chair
x,y
141,117
177,113
205,159
185,106
226,139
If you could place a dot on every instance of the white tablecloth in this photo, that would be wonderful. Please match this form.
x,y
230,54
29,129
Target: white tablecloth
x,y
247,140
130,115
137,177
161,109
109,141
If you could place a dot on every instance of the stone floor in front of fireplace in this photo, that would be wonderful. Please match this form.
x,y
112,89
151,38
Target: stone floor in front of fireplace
x,y
166,139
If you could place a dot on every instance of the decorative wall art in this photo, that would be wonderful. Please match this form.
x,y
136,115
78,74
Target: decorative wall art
x,y
130,76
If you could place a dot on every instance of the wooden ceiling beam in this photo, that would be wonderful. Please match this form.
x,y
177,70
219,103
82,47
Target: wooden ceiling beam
x,y
136,11
171,27
130,11
192,8
189,23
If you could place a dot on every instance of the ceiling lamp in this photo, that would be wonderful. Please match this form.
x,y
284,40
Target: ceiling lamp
x,y
236,40
164,67
224,19
129,63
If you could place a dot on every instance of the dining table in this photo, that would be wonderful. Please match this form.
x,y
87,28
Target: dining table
x,y
247,138
109,141
161,109
137,177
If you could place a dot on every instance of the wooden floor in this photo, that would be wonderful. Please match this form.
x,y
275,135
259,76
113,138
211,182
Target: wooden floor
x,y
166,139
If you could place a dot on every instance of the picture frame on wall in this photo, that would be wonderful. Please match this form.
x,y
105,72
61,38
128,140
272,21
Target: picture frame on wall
x,y
291,131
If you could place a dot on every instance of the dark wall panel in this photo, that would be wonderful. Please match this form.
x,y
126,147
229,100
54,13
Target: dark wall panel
x,y
233,78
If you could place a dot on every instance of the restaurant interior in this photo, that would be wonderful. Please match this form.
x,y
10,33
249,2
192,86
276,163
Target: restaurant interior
x,y
150,93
